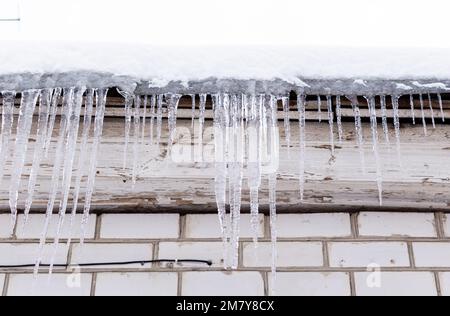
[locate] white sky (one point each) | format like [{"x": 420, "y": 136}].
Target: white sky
[{"x": 232, "y": 22}]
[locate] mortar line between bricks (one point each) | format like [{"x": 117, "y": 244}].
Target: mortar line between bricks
[
  {"x": 98, "y": 227},
  {"x": 93, "y": 283},
  {"x": 266, "y": 230},
  {"x": 351, "y": 277},
  {"x": 179, "y": 283},
  {"x": 182, "y": 227},
  {"x": 246, "y": 240},
  {"x": 354, "y": 224},
  {"x": 412, "y": 259},
  {"x": 326, "y": 255},
  {"x": 439, "y": 222},
  {"x": 155, "y": 253},
  {"x": 438, "y": 283},
  {"x": 6, "y": 285},
  {"x": 265, "y": 277}
]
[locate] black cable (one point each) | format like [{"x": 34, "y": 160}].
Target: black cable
[{"x": 96, "y": 264}]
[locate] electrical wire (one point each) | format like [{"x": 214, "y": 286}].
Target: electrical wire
[{"x": 97, "y": 264}]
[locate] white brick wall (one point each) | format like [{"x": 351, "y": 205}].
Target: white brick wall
[
  {"x": 289, "y": 254},
  {"x": 60, "y": 285},
  {"x": 140, "y": 226},
  {"x": 136, "y": 284},
  {"x": 397, "y": 224},
  {"x": 396, "y": 284},
  {"x": 314, "y": 225},
  {"x": 223, "y": 284},
  {"x": 311, "y": 284},
  {"x": 318, "y": 254},
  {"x": 363, "y": 254}
]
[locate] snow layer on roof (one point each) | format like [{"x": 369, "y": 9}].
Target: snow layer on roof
[{"x": 160, "y": 65}]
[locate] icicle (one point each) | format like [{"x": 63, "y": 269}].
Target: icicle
[
  {"x": 339, "y": 118},
  {"x": 384, "y": 118},
  {"x": 137, "y": 127},
  {"x": 153, "y": 114},
  {"x": 44, "y": 104},
  {"x": 69, "y": 157},
  {"x": 287, "y": 125},
  {"x": 201, "y": 120},
  {"x": 172, "y": 105},
  {"x": 413, "y": 114},
  {"x": 302, "y": 124},
  {"x": 59, "y": 155},
  {"x": 331, "y": 123},
  {"x": 98, "y": 129},
  {"x": 273, "y": 229},
  {"x": 9, "y": 98},
  {"x": 235, "y": 176},
  {"x": 374, "y": 127},
  {"x": 319, "y": 107},
  {"x": 422, "y": 110},
  {"x": 144, "y": 120},
  {"x": 254, "y": 165},
  {"x": 87, "y": 121},
  {"x": 441, "y": 107},
  {"x": 395, "y": 106},
  {"x": 193, "y": 111},
  {"x": 51, "y": 121},
  {"x": 221, "y": 121},
  {"x": 28, "y": 104},
  {"x": 128, "y": 115},
  {"x": 430, "y": 103},
  {"x": 159, "y": 116},
  {"x": 359, "y": 131}
]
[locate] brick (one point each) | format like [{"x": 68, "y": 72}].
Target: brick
[
  {"x": 222, "y": 284},
  {"x": 432, "y": 254},
  {"x": 136, "y": 284},
  {"x": 18, "y": 254},
  {"x": 139, "y": 226},
  {"x": 192, "y": 250},
  {"x": 360, "y": 254},
  {"x": 207, "y": 226},
  {"x": 5, "y": 226},
  {"x": 314, "y": 225},
  {"x": 395, "y": 284},
  {"x": 444, "y": 278},
  {"x": 33, "y": 229},
  {"x": 289, "y": 254},
  {"x": 110, "y": 252},
  {"x": 397, "y": 224},
  {"x": 311, "y": 284},
  {"x": 60, "y": 285}
]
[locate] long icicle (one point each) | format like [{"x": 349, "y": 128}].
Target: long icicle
[
  {"x": 413, "y": 112},
  {"x": 319, "y": 108},
  {"x": 430, "y": 104},
  {"x": 220, "y": 181},
  {"x": 28, "y": 104},
  {"x": 152, "y": 118},
  {"x": 87, "y": 122},
  {"x": 359, "y": 131},
  {"x": 374, "y": 126},
  {"x": 144, "y": 120},
  {"x": 44, "y": 105},
  {"x": 395, "y": 107},
  {"x": 98, "y": 130},
  {"x": 172, "y": 109},
  {"x": 137, "y": 127},
  {"x": 159, "y": 117},
  {"x": 331, "y": 122},
  {"x": 287, "y": 125},
  {"x": 339, "y": 118},
  {"x": 193, "y": 111},
  {"x": 201, "y": 121},
  {"x": 71, "y": 146},
  {"x": 128, "y": 115},
  {"x": 422, "y": 110},
  {"x": 384, "y": 118},
  {"x": 67, "y": 108},
  {"x": 441, "y": 107},
  {"x": 51, "y": 123},
  {"x": 302, "y": 125},
  {"x": 9, "y": 97}
]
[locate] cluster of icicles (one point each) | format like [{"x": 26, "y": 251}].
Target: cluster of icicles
[{"x": 241, "y": 123}]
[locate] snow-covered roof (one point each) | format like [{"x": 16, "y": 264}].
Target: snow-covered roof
[{"x": 157, "y": 67}]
